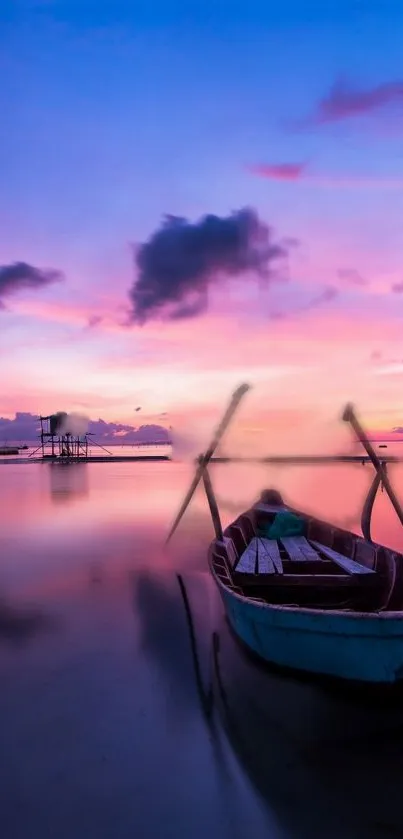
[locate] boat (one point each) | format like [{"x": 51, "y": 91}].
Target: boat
[
  {"x": 329, "y": 602},
  {"x": 296, "y": 741},
  {"x": 303, "y": 594}
]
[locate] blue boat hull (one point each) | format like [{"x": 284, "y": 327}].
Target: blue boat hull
[{"x": 358, "y": 647}]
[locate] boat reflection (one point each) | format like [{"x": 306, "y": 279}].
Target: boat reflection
[
  {"x": 326, "y": 764},
  {"x": 163, "y": 634}
]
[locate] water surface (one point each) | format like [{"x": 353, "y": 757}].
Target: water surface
[{"x": 104, "y": 729}]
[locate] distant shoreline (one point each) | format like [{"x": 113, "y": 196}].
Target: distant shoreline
[{"x": 61, "y": 461}]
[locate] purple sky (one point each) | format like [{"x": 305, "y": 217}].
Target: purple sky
[{"x": 116, "y": 113}]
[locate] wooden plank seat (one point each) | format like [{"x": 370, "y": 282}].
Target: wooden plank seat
[
  {"x": 349, "y": 565},
  {"x": 295, "y": 562},
  {"x": 261, "y": 557},
  {"x": 271, "y": 549},
  {"x": 247, "y": 562},
  {"x": 299, "y": 549}
]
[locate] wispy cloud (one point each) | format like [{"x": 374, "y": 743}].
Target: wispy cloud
[
  {"x": 94, "y": 320},
  {"x": 279, "y": 171},
  {"x": 299, "y": 173},
  {"x": 352, "y": 277},
  {"x": 397, "y": 288},
  {"x": 345, "y": 101},
  {"x": 327, "y": 295}
]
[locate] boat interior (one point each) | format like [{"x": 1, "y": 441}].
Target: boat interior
[{"x": 326, "y": 568}]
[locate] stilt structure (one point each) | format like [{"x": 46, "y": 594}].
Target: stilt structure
[{"x": 57, "y": 442}]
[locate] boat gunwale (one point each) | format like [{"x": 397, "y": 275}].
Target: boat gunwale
[{"x": 278, "y": 607}]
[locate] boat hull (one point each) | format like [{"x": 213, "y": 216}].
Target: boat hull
[{"x": 366, "y": 648}]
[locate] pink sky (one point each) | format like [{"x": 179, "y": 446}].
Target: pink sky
[{"x": 303, "y": 367}]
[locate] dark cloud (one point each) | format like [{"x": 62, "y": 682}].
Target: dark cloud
[
  {"x": 192, "y": 308},
  {"x": 20, "y": 275},
  {"x": 352, "y": 277},
  {"x": 397, "y": 288},
  {"x": 344, "y": 101},
  {"x": 26, "y": 426},
  {"x": 111, "y": 432},
  {"x": 180, "y": 262},
  {"x": 138, "y": 409}
]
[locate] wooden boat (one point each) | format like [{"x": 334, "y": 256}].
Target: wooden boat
[
  {"x": 328, "y": 603},
  {"x": 324, "y": 601},
  {"x": 296, "y": 741}
]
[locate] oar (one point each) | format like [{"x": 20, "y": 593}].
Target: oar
[
  {"x": 205, "y": 458},
  {"x": 349, "y": 416}
]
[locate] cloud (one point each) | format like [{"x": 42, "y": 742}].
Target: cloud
[
  {"x": 352, "y": 277},
  {"x": 20, "y": 275},
  {"x": 181, "y": 260},
  {"x": 344, "y": 101},
  {"x": 26, "y": 427},
  {"x": 94, "y": 320},
  {"x": 110, "y": 432},
  {"x": 328, "y": 294},
  {"x": 279, "y": 171},
  {"x": 397, "y": 288},
  {"x": 299, "y": 173}
]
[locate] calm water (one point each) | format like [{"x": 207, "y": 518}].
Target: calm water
[{"x": 105, "y": 730}]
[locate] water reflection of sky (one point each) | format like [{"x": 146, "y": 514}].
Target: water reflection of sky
[{"x": 102, "y": 727}]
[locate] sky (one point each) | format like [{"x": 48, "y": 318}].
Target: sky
[{"x": 195, "y": 195}]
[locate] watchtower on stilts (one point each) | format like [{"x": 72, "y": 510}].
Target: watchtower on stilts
[{"x": 58, "y": 442}]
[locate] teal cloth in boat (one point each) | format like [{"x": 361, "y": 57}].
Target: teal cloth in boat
[{"x": 284, "y": 524}]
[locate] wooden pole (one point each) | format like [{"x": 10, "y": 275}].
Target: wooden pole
[
  {"x": 212, "y": 502},
  {"x": 206, "y": 457},
  {"x": 349, "y": 416},
  {"x": 368, "y": 506}
]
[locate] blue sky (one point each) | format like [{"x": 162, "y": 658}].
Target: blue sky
[{"x": 114, "y": 113}]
